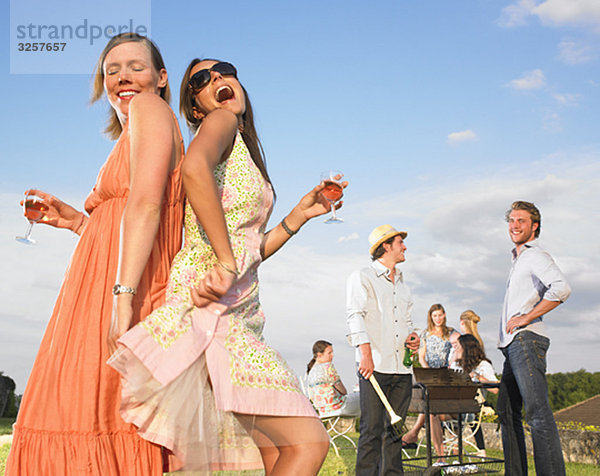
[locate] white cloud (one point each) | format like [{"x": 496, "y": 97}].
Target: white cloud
[
  {"x": 576, "y": 52},
  {"x": 531, "y": 80},
  {"x": 567, "y": 99},
  {"x": 552, "y": 12},
  {"x": 458, "y": 254},
  {"x": 569, "y": 12},
  {"x": 350, "y": 237},
  {"x": 516, "y": 14},
  {"x": 462, "y": 136}
]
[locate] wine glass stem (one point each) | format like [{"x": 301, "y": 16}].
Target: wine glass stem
[
  {"x": 332, "y": 210},
  {"x": 28, "y": 232}
]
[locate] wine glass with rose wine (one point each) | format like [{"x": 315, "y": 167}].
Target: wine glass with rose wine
[
  {"x": 34, "y": 209},
  {"x": 332, "y": 191}
]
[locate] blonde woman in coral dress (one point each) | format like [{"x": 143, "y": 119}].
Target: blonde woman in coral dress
[
  {"x": 69, "y": 421},
  {"x": 198, "y": 376}
]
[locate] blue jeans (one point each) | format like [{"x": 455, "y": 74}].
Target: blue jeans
[
  {"x": 524, "y": 383},
  {"x": 379, "y": 450}
]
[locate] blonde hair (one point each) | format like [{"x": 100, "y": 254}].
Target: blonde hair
[
  {"x": 114, "y": 128},
  {"x": 470, "y": 320},
  {"x": 431, "y": 325}
]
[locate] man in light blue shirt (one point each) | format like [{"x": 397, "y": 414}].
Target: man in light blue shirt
[
  {"x": 378, "y": 309},
  {"x": 535, "y": 286}
]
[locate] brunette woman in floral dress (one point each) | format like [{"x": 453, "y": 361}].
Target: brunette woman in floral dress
[{"x": 198, "y": 377}]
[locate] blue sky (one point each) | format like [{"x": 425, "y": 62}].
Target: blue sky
[{"x": 440, "y": 114}]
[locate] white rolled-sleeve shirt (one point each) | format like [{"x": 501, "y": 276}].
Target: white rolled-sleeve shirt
[
  {"x": 533, "y": 276},
  {"x": 379, "y": 313}
]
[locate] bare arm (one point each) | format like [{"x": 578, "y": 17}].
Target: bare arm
[
  {"x": 366, "y": 365},
  {"x": 60, "y": 214},
  {"x": 212, "y": 144},
  {"x": 339, "y": 386},
  {"x": 313, "y": 204},
  {"x": 152, "y": 155},
  {"x": 520, "y": 320},
  {"x": 422, "y": 352},
  {"x": 484, "y": 380}
]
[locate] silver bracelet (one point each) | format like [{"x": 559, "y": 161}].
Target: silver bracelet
[
  {"x": 228, "y": 269},
  {"x": 120, "y": 289}
]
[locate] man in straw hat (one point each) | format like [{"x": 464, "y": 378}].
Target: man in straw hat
[{"x": 378, "y": 308}]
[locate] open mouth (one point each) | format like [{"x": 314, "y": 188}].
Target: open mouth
[
  {"x": 126, "y": 94},
  {"x": 224, "y": 93}
]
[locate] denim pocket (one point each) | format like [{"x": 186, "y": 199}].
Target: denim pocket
[{"x": 538, "y": 345}]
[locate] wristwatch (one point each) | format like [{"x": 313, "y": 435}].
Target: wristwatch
[{"x": 120, "y": 289}]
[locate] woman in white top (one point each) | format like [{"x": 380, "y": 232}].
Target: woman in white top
[{"x": 470, "y": 358}]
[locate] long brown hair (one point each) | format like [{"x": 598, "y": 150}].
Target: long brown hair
[
  {"x": 317, "y": 348},
  {"x": 431, "y": 325},
  {"x": 247, "y": 129},
  {"x": 470, "y": 320},
  {"x": 113, "y": 127},
  {"x": 472, "y": 353}
]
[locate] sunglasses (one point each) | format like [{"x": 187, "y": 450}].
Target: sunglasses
[{"x": 201, "y": 78}]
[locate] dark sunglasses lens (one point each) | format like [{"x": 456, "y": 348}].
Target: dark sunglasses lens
[
  {"x": 226, "y": 69},
  {"x": 200, "y": 79}
]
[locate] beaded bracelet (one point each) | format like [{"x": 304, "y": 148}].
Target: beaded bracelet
[{"x": 287, "y": 228}]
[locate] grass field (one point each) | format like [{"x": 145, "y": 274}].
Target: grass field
[{"x": 344, "y": 464}]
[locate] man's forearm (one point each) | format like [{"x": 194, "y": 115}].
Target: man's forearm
[{"x": 543, "y": 307}]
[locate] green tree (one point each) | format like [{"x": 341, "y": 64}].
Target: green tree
[{"x": 8, "y": 406}]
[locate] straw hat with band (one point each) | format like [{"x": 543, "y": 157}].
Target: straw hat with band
[{"x": 381, "y": 234}]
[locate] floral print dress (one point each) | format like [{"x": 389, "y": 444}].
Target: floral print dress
[
  {"x": 320, "y": 381},
  {"x": 186, "y": 370},
  {"x": 437, "y": 349}
]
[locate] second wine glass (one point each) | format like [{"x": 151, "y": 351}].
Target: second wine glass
[
  {"x": 333, "y": 191},
  {"x": 34, "y": 210}
]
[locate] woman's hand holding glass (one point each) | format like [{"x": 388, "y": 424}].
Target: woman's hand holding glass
[
  {"x": 332, "y": 190},
  {"x": 34, "y": 210},
  {"x": 58, "y": 213},
  {"x": 315, "y": 204}
]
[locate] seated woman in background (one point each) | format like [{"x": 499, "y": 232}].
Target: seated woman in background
[
  {"x": 471, "y": 359},
  {"x": 435, "y": 349},
  {"x": 324, "y": 386}
]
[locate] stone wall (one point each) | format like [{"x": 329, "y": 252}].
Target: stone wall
[{"x": 578, "y": 446}]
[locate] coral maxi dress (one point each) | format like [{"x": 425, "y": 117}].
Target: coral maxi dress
[
  {"x": 186, "y": 370},
  {"x": 69, "y": 422}
]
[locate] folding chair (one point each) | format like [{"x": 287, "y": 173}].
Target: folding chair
[
  {"x": 338, "y": 424},
  {"x": 471, "y": 422}
]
